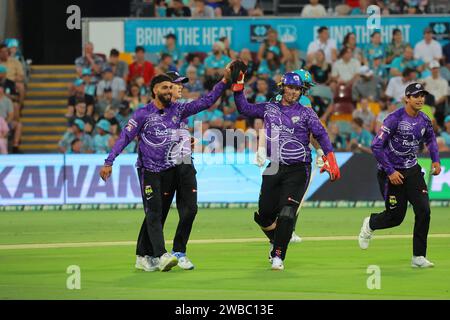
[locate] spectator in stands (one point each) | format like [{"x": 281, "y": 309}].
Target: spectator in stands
[
  {"x": 110, "y": 116},
  {"x": 320, "y": 69},
  {"x": 397, "y": 6},
  {"x": 446, "y": 133},
  {"x": 428, "y": 49},
  {"x": 75, "y": 147},
  {"x": 194, "y": 86},
  {"x": 350, "y": 42},
  {"x": 228, "y": 51},
  {"x": 363, "y": 112},
  {"x": 271, "y": 66},
  {"x": 13, "y": 48},
  {"x": 345, "y": 70},
  {"x": 234, "y": 9},
  {"x": 76, "y": 131},
  {"x": 90, "y": 88},
  {"x": 367, "y": 86},
  {"x": 104, "y": 101},
  {"x": 246, "y": 56},
  {"x": 102, "y": 141},
  {"x": 397, "y": 47},
  {"x": 324, "y": 43},
  {"x": 116, "y": 84},
  {"x": 383, "y": 7},
  {"x": 360, "y": 138},
  {"x": 215, "y": 64},
  {"x": 442, "y": 146},
  {"x": 380, "y": 69},
  {"x": 171, "y": 49},
  {"x": 134, "y": 97},
  {"x": 446, "y": 53},
  {"x": 89, "y": 60},
  {"x": 337, "y": 141},
  {"x": 4, "y": 131},
  {"x": 216, "y": 5},
  {"x": 160, "y": 8},
  {"x": 193, "y": 60},
  {"x": 294, "y": 62},
  {"x": 14, "y": 71},
  {"x": 79, "y": 94},
  {"x": 9, "y": 88},
  {"x": 124, "y": 114},
  {"x": 406, "y": 61},
  {"x": 120, "y": 68},
  {"x": 7, "y": 113},
  {"x": 200, "y": 10},
  {"x": 361, "y": 9},
  {"x": 269, "y": 44},
  {"x": 141, "y": 67},
  {"x": 178, "y": 9},
  {"x": 81, "y": 114},
  {"x": 386, "y": 107},
  {"x": 374, "y": 48},
  {"x": 165, "y": 64},
  {"x": 439, "y": 88},
  {"x": 253, "y": 8},
  {"x": 397, "y": 85},
  {"x": 262, "y": 92},
  {"x": 313, "y": 10}
]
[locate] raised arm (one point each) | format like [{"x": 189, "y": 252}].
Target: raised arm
[{"x": 248, "y": 109}]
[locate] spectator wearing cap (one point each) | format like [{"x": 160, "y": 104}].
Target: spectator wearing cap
[
  {"x": 363, "y": 112},
  {"x": 141, "y": 67},
  {"x": 116, "y": 84},
  {"x": 271, "y": 42},
  {"x": 14, "y": 71},
  {"x": 201, "y": 10},
  {"x": 439, "y": 88},
  {"x": 397, "y": 85},
  {"x": 102, "y": 141},
  {"x": 178, "y": 9},
  {"x": 13, "y": 48},
  {"x": 324, "y": 43},
  {"x": 345, "y": 70},
  {"x": 120, "y": 68},
  {"x": 360, "y": 138},
  {"x": 446, "y": 132},
  {"x": 396, "y": 47},
  {"x": 406, "y": 61},
  {"x": 90, "y": 87},
  {"x": 79, "y": 94},
  {"x": 216, "y": 62},
  {"x": 89, "y": 60},
  {"x": 367, "y": 86},
  {"x": 171, "y": 49},
  {"x": 124, "y": 114},
  {"x": 314, "y": 10},
  {"x": 76, "y": 131},
  {"x": 428, "y": 49},
  {"x": 374, "y": 48},
  {"x": 81, "y": 114},
  {"x": 165, "y": 64},
  {"x": 234, "y": 8}
]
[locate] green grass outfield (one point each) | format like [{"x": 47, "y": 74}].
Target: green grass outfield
[{"x": 325, "y": 265}]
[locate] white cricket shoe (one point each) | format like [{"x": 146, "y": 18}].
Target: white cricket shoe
[
  {"x": 146, "y": 263},
  {"x": 421, "y": 262},
  {"x": 365, "y": 235},
  {"x": 277, "y": 263},
  {"x": 295, "y": 238},
  {"x": 167, "y": 262},
  {"x": 185, "y": 263}
]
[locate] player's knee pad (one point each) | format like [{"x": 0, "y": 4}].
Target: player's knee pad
[
  {"x": 287, "y": 213},
  {"x": 261, "y": 221}
]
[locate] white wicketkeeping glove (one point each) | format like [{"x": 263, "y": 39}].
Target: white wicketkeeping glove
[
  {"x": 261, "y": 156},
  {"x": 319, "y": 161}
]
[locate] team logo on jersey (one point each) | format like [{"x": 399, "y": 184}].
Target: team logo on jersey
[{"x": 295, "y": 119}]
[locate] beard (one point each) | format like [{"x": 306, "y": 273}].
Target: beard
[{"x": 165, "y": 98}]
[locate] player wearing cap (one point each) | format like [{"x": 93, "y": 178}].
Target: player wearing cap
[
  {"x": 156, "y": 126},
  {"x": 400, "y": 176},
  {"x": 288, "y": 127}
]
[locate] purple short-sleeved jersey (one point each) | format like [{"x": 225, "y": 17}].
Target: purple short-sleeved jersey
[
  {"x": 397, "y": 143},
  {"x": 162, "y": 144},
  {"x": 288, "y": 129}
]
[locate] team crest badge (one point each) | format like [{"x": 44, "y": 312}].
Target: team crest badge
[
  {"x": 295, "y": 119},
  {"x": 174, "y": 119},
  {"x": 148, "y": 191},
  {"x": 392, "y": 200}
]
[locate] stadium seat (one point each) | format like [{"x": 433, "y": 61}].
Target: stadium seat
[
  {"x": 373, "y": 106},
  {"x": 343, "y": 107}
]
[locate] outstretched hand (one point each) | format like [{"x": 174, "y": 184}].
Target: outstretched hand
[{"x": 105, "y": 172}]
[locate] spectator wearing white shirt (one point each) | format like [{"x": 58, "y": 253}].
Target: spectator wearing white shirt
[
  {"x": 438, "y": 87},
  {"x": 397, "y": 85},
  {"x": 200, "y": 9},
  {"x": 323, "y": 42},
  {"x": 314, "y": 10},
  {"x": 428, "y": 49},
  {"x": 346, "y": 69}
]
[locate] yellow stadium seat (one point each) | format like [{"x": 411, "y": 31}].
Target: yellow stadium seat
[
  {"x": 127, "y": 57},
  {"x": 373, "y": 106},
  {"x": 241, "y": 124}
]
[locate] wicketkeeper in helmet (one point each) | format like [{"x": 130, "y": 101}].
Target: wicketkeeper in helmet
[{"x": 288, "y": 126}]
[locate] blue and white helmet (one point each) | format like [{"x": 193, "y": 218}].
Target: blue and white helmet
[{"x": 291, "y": 79}]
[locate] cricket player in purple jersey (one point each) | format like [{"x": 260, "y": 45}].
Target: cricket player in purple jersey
[
  {"x": 288, "y": 127},
  {"x": 400, "y": 176},
  {"x": 157, "y": 128}
]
